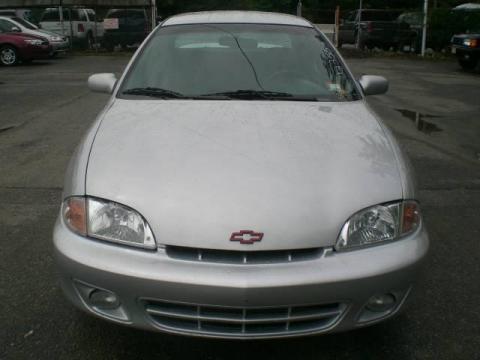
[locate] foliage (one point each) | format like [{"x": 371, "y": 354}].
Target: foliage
[{"x": 169, "y": 7}]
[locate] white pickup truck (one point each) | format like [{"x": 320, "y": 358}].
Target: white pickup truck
[{"x": 79, "y": 24}]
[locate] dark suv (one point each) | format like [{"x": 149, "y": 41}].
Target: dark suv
[
  {"x": 129, "y": 27},
  {"x": 467, "y": 49}
]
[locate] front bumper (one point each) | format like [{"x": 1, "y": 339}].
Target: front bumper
[
  {"x": 60, "y": 46},
  {"x": 33, "y": 52},
  {"x": 460, "y": 49},
  {"x": 157, "y": 292}
]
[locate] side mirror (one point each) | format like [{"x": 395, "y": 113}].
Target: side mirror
[
  {"x": 15, "y": 29},
  {"x": 158, "y": 20},
  {"x": 373, "y": 84},
  {"x": 102, "y": 83}
]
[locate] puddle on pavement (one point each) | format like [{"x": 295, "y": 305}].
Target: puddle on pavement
[
  {"x": 419, "y": 120},
  {"x": 8, "y": 127}
]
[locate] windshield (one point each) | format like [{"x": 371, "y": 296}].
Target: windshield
[
  {"x": 25, "y": 23},
  {"x": 54, "y": 15},
  {"x": 212, "y": 59},
  {"x": 379, "y": 15},
  {"x": 118, "y": 14}
]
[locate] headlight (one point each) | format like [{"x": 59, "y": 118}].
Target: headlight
[
  {"x": 470, "y": 42},
  {"x": 33, "y": 41},
  {"x": 56, "y": 38},
  {"x": 379, "y": 224},
  {"x": 106, "y": 220}
]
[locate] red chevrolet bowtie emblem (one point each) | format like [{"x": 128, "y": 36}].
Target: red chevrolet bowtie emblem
[{"x": 246, "y": 237}]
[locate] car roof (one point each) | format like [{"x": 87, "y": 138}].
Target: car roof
[{"x": 237, "y": 17}]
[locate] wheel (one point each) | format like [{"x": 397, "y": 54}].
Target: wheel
[
  {"x": 408, "y": 44},
  {"x": 8, "y": 55},
  {"x": 89, "y": 41},
  {"x": 109, "y": 46},
  {"x": 369, "y": 45},
  {"x": 359, "y": 44},
  {"x": 468, "y": 64}
]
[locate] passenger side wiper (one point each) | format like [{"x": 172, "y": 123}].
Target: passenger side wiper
[
  {"x": 261, "y": 95},
  {"x": 154, "y": 92}
]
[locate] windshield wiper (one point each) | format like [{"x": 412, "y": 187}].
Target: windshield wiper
[
  {"x": 154, "y": 92},
  {"x": 251, "y": 94},
  {"x": 261, "y": 95}
]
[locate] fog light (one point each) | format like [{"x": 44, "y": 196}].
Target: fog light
[
  {"x": 103, "y": 299},
  {"x": 381, "y": 303}
]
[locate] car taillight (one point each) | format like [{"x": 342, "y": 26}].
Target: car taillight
[{"x": 81, "y": 28}]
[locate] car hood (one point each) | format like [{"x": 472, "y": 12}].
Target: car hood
[
  {"x": 48, "y": 34},
  {"x": 473, "y": 35},
  {"x": 24, "y": 35},
  {"x": 200, "y": 170}
]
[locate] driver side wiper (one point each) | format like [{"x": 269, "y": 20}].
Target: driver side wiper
[
  {"x": 251, "y": 94},
  {"x": 261, "y": 95},
  {"x": 154, "y": 92}
]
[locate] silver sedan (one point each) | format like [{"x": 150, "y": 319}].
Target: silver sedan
[{"x": 237, "y": 185}]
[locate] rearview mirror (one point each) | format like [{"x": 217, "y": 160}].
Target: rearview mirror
[
  {"x": 373, "y": 84},
  {"x": 102, "y": 83},
  {"x": 15, "y": 29}
]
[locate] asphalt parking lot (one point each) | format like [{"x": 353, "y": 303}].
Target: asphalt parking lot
[{"x": 433, "y": 109}]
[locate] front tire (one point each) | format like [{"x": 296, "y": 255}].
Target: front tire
[
  {"x": 8, "y": 55},
  {"x": 89, "y": 41},
  {"x": 468, "y": 64},
  {"x": 359, "y": 44}
]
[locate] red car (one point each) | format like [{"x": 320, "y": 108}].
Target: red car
[{"x": 19, "y": 47}]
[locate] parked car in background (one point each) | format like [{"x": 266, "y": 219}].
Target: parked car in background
[
  {"x": 415, "y": 21},
  {"x": 79, "y": 25},
  {"x": 125, "y": 27},
  {"x": 370, "y": 28},
  {"x": 467, "y": 49},
  {"x": 18, "y": 47},
  {"x": 239, "y": 186},
  {"x": 25, "y": 14},
  {"x": 14, "y": 24}
]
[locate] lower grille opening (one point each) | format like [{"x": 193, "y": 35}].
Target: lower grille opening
[
  {"x": 242, "y": 322},
  {"x": 308, "y": 324},
  {"x": 177, "y": 323},
  {"x": 266, "y": 328},
  {"x": 217, "y": 327}
]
